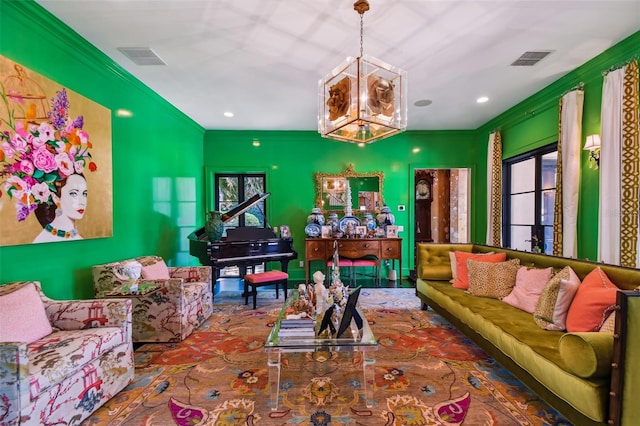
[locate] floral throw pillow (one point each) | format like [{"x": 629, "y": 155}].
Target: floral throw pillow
[{"x": 495, "y": 280}]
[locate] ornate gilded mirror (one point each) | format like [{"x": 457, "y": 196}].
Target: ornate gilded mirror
[{"x": 365, "y": 189}]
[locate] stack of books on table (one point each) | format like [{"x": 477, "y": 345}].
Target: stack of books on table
[{"x": 296, "y": 329}]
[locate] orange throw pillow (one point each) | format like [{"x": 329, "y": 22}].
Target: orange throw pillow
[
  {"x": 594, "y": 301},
  {"x": 462, "y": 271}
]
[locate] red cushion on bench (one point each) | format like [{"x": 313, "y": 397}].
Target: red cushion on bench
[
  {"x": 268, "y": 276},
  {"x": 365, "y": 262}
]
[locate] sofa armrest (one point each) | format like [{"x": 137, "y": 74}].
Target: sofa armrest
[
  {"x": 14, "y": 380},
  {"x": 587, "y": 354},
  {"x": 191, "y": 274},
  {"x": 80, "y": 314}
]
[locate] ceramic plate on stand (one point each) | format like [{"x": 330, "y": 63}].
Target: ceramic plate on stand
[
  {"x": 313, "y": 230},
  {"x": 347, "y": 220}
]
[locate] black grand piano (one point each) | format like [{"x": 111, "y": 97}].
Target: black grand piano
[{"x": 243, "y": 246}]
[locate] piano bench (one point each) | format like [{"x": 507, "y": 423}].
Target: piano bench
[{"x": 264, "y": 278}]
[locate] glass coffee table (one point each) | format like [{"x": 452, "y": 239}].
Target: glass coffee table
[{"x": 352, "y": 339}]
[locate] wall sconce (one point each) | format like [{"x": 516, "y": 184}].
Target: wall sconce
[{"x": 593, "y": 146}]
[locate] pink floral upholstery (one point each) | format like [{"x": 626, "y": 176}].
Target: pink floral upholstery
[
  {"x": 170, "y": 314},
  {"x": 65, "y": 376}
]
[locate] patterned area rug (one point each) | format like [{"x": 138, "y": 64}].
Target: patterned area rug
[{"x": 427, "y": 373}]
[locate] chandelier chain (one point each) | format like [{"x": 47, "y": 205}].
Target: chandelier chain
[{"x": 361, "y": 34}]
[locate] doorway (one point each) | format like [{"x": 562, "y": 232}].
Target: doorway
[{"x": 441, "y": 207}]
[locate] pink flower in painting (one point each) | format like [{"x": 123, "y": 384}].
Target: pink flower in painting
[
  {"x": 44, "y": 160},
  {"x": 26, "y": 167},
  {"x": 41, "y": 192},
  {"x": 46, "y": 132},
  {"x": 65, "y": 164},
  {"x": 22, "y": 131},
  {"x": 19, "y": 143},
  {"x": 16, "y": 187},
  {"x": 79, "y": 166},
  {"x": 36, "y": 142},
  {"x": 84, "y": 136},
  {"x": 8, "y": 150}
]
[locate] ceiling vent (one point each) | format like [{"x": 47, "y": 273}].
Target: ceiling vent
[
  {"x": 529, "y": 59},
  {"x": 141, "y": 55}
]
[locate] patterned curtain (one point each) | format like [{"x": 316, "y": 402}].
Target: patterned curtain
[
  {"x": 565, "y": 216},
  {"x": 494, "y": 190},
  {"x": 619, "y": 168}
]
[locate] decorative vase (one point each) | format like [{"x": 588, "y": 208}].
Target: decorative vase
[
  {"x": 370, "y": 222},
  {"x": 385, "y": 217},
  {"x": 316, "y": 217},
  {"x": 214, "y": 227},
  {"x": 334, "y": 222}
]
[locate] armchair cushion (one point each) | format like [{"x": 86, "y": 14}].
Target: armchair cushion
[
  {"x": 157, "y": 270},
  {"x": 15, "y": 307}
]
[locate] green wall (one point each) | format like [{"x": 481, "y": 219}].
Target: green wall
[
  {"x": 157, "y": 159},
  {"x": 161, "y": 166},
  {"x": 291, "y": 158},
  {"x": 534, "y": 123}
]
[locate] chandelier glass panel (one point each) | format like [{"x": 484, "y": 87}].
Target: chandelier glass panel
[{"x": 363, "y": 99}]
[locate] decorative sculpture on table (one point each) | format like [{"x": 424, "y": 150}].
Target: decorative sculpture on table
[{"x": 336, "y": 300}]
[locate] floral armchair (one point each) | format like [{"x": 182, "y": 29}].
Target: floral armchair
[
  {"x": 182, "y": 303},
  {"x": 60, "y": 360}
]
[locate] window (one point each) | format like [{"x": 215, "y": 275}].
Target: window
[
  {"x": 233, "y": 189},
  {"x": 529, "y": 193}
]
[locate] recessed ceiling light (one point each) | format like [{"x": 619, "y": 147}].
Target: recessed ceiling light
[
  {"x": 423, "y": 102},
  {"x": 482, "y": 99},
  {"x": 123, "y": 113},
  {"x": 415, "y": 150},
  {"x": 228, "y": 114}
]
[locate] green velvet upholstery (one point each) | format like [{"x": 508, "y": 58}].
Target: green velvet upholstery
[
  {"x": 575, "y": 380},
  {"x": 435, "y": 263},
  {"x": 587, "y": 354}
]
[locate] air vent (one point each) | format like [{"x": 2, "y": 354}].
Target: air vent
[
  {"x": 141, "y": 55},
  {"x": 529, "y": 59}
]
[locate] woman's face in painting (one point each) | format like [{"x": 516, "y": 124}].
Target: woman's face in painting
[{"x": 73, "y": 197}]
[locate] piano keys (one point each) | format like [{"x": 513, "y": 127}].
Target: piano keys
[{"x": 244, "y": 247}]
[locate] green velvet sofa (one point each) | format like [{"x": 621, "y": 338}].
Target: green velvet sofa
[{"x": 579, "y": 380}]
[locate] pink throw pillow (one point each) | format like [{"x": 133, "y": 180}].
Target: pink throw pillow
[
  {"x": 22, "y": 316},
  {"x": 156, "y": 271},
  {"x": 529, "y": 285},
  {"x": 462, "y": 270},
  {"x": 594, "y": 301}
]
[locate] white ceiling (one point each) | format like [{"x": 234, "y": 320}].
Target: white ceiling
[{"x": 262, "y": 59}]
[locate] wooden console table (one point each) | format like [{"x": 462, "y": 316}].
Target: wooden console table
[{"x": 353, "y": 248}]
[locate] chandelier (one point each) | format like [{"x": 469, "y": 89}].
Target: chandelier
[{"x": 363, "y": 99}]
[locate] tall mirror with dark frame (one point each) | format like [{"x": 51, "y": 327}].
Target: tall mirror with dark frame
[{"x": 333, "y": 189}]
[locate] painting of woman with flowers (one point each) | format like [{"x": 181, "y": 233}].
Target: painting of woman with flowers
[{"x": 48, "y": 167}]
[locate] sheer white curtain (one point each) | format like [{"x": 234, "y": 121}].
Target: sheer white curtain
[
  {"x": 494, "y": 189},
  {"x": 570, "y": 147},
  {"x": 619, "y": 163}
]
